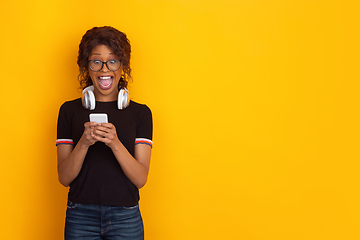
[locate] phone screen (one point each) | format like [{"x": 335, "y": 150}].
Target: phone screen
[{"x": 98, "y": 117}]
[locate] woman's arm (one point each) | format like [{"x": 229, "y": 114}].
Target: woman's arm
[
  {"x": 135, "y": 168},
  {"x": 70, "y": 160}
]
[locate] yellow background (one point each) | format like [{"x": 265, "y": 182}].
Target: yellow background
[{"x": 255, "y": 106}]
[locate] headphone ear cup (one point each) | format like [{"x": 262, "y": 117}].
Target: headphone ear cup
[
  {"x": 91, "y": 100},
  {"x": 123, "y": 99},
  {"x": 88, "y": 98}
]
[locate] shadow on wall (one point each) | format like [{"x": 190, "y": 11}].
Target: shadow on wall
[{"x": 53, "y": 194}]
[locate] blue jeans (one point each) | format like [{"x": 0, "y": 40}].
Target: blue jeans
[{"x": 95, "y": 222}]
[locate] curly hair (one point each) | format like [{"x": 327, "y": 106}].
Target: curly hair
[{"x": 115, "y": 40}]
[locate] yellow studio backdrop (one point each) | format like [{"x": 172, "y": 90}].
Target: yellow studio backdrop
[{"x": 255, "y": 106}]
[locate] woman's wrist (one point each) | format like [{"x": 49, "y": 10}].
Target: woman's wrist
[
  {"x": 116, "y": 146},
  {"x": 84, "y": 143}
]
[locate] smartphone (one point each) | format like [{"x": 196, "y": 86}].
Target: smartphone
[{"x": 99, "y": 117}]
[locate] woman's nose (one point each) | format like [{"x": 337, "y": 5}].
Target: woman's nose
[{"x": 105, "y": 68}]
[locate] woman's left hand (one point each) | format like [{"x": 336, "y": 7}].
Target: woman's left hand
[{"x": 106, "y": 133}]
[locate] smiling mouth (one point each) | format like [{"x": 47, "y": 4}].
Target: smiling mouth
[{"x": 105, "y": 82}]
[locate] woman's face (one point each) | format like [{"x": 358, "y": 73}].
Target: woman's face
[{"x": 105, "y": 81}]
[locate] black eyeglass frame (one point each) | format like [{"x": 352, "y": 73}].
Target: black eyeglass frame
[{"x": 102, "y": 65}]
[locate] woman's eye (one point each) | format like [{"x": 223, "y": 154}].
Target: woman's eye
[
  {"x": 96, "y": 61},
  {"x": 112, "y": 61}
]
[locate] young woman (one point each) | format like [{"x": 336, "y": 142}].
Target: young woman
[{"x": 104, "y": 163}]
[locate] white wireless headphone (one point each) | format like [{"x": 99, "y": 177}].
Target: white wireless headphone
[{"x": 88, "y": 98}]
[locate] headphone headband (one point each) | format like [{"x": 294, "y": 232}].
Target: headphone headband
[{"x": 89, "y": 88}]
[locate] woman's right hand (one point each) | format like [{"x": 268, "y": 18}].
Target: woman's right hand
[{"x": 87, "y": 137}]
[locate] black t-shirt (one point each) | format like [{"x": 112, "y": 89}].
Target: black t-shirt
[{"x": 101, "y": 180}]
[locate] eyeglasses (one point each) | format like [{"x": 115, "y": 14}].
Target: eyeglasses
[{"x": 97, "y": 65}]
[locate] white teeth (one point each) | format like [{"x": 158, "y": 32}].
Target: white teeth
[{"x": 106, "y": 77}]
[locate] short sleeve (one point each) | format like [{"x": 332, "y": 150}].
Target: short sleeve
[
  {"x": 64, "y": 127},
  {"x": 144, "y": 131}
]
